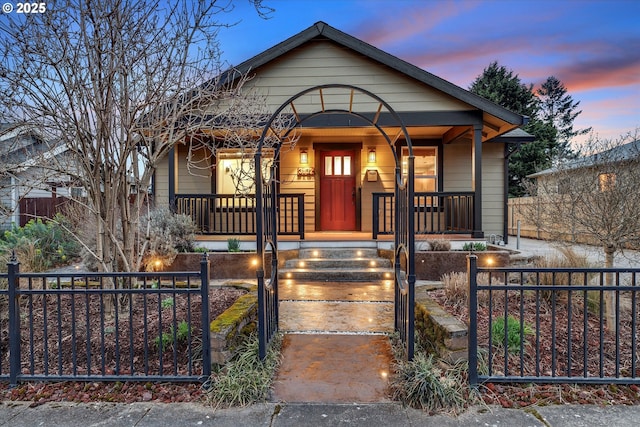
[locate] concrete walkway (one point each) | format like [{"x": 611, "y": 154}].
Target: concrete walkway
[
  {"x": 19, "y": 414},
  {"x": 335, "y": 348}
]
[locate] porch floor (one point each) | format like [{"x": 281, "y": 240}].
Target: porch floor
[
  {"x": 323, "y": 239},
  {"x": 320, "y": 236}
]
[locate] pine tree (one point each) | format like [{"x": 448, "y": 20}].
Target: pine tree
[
  {"x": 502, "y": 86},
  {"x": 558, "y": 109}
]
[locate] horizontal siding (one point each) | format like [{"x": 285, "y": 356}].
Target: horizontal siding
[
  {"x": 457, "y": 167},
  {"x": 161, "y": 183},
  {"x": 325, "y": 63},
  {"x": 290, "y": 182},
  {"x": 194, "y": 181},
  {"x": 493, "y": 203},
  {"x": 458, "y": 177}
]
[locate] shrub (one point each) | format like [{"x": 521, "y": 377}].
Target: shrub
[
  {"x": 439, "y": 245},
  {"x": 245, "y": 379},
  {"x": 166, "y": 339},
  {"x": 516, "y": 333},
  {"x": 567, "y": 258},
  {"x": 169, "y": 234},
  {"x": 422, "y": 384},
  {"x": 233, "y": 245},
  {"x": 474, "y": 246},
  {"x": 456, "y": 288},
  {"x": 40, "y": 245}
]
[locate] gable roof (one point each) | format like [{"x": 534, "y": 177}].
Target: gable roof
[
  {"x": 323, "y": 30},
  {"x": 22, "y": 146},
  {"x": 621, "y": 153}
]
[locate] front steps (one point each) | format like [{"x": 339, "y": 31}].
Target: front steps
[
  {"x": 336, "y": 291},
  {"x": 338, "y": 265}
]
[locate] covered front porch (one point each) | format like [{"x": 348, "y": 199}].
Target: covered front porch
[{"x": 226, "y": 215}]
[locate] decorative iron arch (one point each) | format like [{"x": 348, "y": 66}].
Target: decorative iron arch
[{"x": 267, "y": 221}]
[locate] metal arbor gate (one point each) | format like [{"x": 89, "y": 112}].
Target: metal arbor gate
[{"x": 267, "y": 205}]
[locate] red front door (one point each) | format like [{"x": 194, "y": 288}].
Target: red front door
[{"x": 337, "y": 191}]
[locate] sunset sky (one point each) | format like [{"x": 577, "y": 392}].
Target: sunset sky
[{"x": 593, "y": 47}]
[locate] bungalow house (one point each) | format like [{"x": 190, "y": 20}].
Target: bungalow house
[
  {"x": 355, "y": 108},
  {"x": 30, "y": 186},
  {"x": 602, "y": 180}
]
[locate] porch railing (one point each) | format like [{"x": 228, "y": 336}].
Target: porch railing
[
  {"x": 228, "y": 214},
  {"x": 567, "y": 325},
  {"x": 434, "y": 213},
  {"x": 105, "y": 326}
]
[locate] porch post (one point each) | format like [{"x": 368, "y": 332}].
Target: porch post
[
  {"x": 476, "y": 165},
  {"x": 172, "y": 179}
]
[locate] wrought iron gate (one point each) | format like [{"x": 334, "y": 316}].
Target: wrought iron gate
[
  {"x": 266, "y": 207},
  {"x": 267, "y": 237}
]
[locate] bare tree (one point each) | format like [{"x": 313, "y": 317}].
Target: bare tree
[
  {"x": 597, "y": 197},
  {"x": 120, "y": 82}
]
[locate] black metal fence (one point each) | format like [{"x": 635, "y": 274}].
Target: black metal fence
[
  {"x": 228, "y": 214},
  {"x": 560, "y": 325},
  {"x": 434, "y": 213},
  {"x": 105, "y": 326}
]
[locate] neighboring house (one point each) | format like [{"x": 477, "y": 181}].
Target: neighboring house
[
  {"x": 597, "y": 172},
  {"x": 339, "y": 177},
  {"x": 29, "y": 185}
]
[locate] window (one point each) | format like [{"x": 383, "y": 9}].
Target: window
[
  {"x": 337, "y": 165},
  {"x": 606, "y": 181},
  {"x": 425, "y": 168},
  {"x": 235, "y": 171},
  {"x": 564, "y": 185}
]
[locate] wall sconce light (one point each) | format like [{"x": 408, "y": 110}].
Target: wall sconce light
[
  {"x": 304, "y": 157},
  {"x": 372, "y": 155}
]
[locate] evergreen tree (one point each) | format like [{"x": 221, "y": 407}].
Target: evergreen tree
[
  {"x": 558, "y": 109},
  {"x": 502, "y": 86}
]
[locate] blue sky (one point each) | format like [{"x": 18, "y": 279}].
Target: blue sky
[{"x": 593, "y": 47}]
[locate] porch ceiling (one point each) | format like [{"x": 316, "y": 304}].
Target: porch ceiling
[{"x": 358, "y": 132}]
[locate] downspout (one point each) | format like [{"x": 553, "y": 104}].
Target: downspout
[{"x": 507, "y": 155}]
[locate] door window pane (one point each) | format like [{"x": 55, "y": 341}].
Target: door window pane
[
  {"x": 347, "y": 165},
  {"x": 337, "y": 165},
  {"x": 328, "y": 166}
]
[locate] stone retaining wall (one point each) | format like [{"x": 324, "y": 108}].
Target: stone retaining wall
[
  {"x": 229, "y": 329},
  {"x": 448, "y": 335}
]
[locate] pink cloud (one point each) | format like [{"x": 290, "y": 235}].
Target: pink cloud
[{"x": 408, "y": 22}]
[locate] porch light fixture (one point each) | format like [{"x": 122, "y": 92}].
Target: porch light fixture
[
  {"x": 304, "y": 157},
  {"x": 372, "y": 155}
]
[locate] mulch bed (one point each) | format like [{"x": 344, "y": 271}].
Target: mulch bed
[
  {"x": 548, "y": 363},
  {"x": 506, "y": 395},
  {"x": 150, "y": 317}
]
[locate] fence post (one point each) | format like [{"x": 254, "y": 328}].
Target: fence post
[
  {"x": 13, "y": 269},
  {"x": 472, "y": 267},
  {"x": 206, "y": 327}
]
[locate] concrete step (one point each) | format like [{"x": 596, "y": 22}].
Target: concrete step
[
  {"x": 338, "y": 253},
  {"x": 345, "y": 263},
  {"x": 337, "y": 265},
  {"x": 338, "y": 274},
  {"x": 336, "y": 317},
  {"x": 294, "y": 290}
]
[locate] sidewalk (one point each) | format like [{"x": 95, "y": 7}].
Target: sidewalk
[{"x": 285, "y": 415}]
